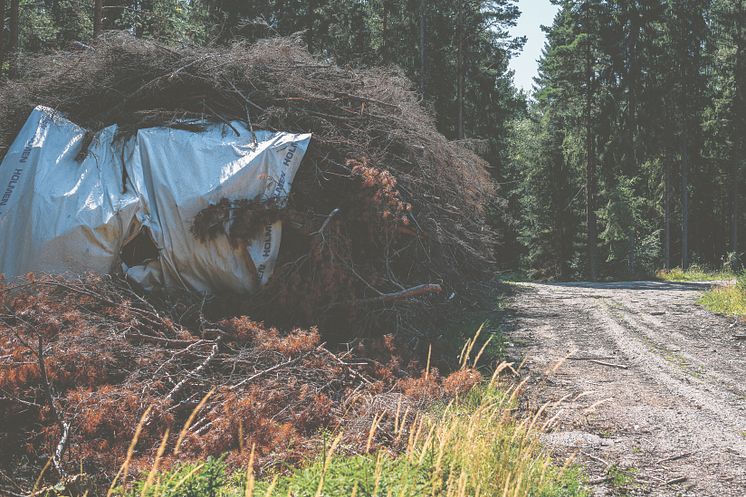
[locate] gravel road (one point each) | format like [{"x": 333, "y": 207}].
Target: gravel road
[{"x": 652, "y": 386}]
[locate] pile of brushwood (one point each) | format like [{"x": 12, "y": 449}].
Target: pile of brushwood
[
  {"x": 83, "y": 359},
  {"x": 384, "y": 233},
  {"x": 385, "y": 216}
]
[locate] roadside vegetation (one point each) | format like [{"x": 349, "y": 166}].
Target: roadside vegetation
[
  {"x": 695, "y": 273},
  {"x": 729, "y": 300},
  {"x": 472, "y": 446}
]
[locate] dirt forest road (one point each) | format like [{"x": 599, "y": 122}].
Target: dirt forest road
[{"x": 652, "y": 386}]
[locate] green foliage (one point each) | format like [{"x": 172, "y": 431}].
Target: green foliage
[
  {"x": 632, "y": 239},
  {"x": 171, "y": 21},
  {"x": 729, "y": 300},
  {"x": 545, "y": 185},
  {"x": 205, "y": 479},
  {"x": 569, "y": 482},
  {"x": 38, "y": 29},
  {"x": 389, "y": 475},
  {"x": 695, "y": 273},
  {"x": 637, "y": 102},
  {"x": 621, "y": 479}
]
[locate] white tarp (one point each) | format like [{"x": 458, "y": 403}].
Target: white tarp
[{"x": 61, "y": 215}]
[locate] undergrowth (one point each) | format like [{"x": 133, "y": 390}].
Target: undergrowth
[
  {"x": 473, "y": 446},
  {"x": 694, "y": 273},
  {"x": 729, "y": 300}
]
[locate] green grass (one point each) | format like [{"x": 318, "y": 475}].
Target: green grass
[
  {"x": 474, "y": 447},
  {"x": 621, "y": 479},
  {"x": 488, "y": 314},
  {"x": 729, "y": 300},
  {"x": 694, "y": 273}
]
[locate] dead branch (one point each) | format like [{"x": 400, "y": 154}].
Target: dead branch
[
  {"x": 348, "y": 367},
  {"x": 326, "y": 222},
  {"x": 675, "y": 458},
  {"x": 64, "y": 426},
  {"x": 602, "y": 363},
  {"x": 195, "y": 372},
  {"x": 269, "y": 370},
  {"x": 168, "y": 342},
  {"x": 409, "y": 293}
]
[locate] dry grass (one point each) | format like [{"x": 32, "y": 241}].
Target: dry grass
[{"x": 473, "y": 446}]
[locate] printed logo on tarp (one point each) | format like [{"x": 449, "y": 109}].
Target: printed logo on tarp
[
  {"x": 16, "y": 176},
  {"x": 14, "y": 179},
  {"x": 280, "y": 189},
  {"x": 266, "y": 250}
]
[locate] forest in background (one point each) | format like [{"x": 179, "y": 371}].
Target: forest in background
[{"x": 628, "y": 157}]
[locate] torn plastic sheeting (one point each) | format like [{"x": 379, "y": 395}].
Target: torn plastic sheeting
[
  {"x": 60, "y": 215},
  {"x": 57, "y": 214}
]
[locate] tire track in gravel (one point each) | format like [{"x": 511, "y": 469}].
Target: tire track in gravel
[{"x": 674, "y": 419}]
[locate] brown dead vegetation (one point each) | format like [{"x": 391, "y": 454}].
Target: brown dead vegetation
[{"x": 81, "y": 359}]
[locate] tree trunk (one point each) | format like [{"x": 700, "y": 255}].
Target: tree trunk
[
  {"x": 98, "y": 17},
  {"x": 423, "y": 48},
  {"x": 667, "y": 212},
  {"x": 736, "y": 179},
  {"x": 590, "y": 171},
  {"x": 384, "y": 31},
  {"x": 310, "y": 18},
  {"x": 460, "y": 71},
  {"x": 632, "y": 81},
  {"x": 2, "y": 36},
  {"x": 14, "y": 37},
  {"x": 734, "y": 183},
  {"x": 685, "y": 199}
]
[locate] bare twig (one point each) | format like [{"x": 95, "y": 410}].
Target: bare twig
[
  {"x": 597, "y": 459},
  {"x": 328, "y": 219},
  {"x": 195, "y": 372},
  {"x": 349, "y": 367},
  {"x": 675, "y": 458},
  {"x": 268, "y": 370},
  {"x": 168, "y": 342},
  {"x": 602, "y": 363},
  {"x": 64, "y": 426}
]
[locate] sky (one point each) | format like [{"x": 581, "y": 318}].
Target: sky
[{"x": 535, "y": 13}]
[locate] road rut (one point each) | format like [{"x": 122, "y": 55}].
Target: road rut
[{"x": 654, "y": 386}]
